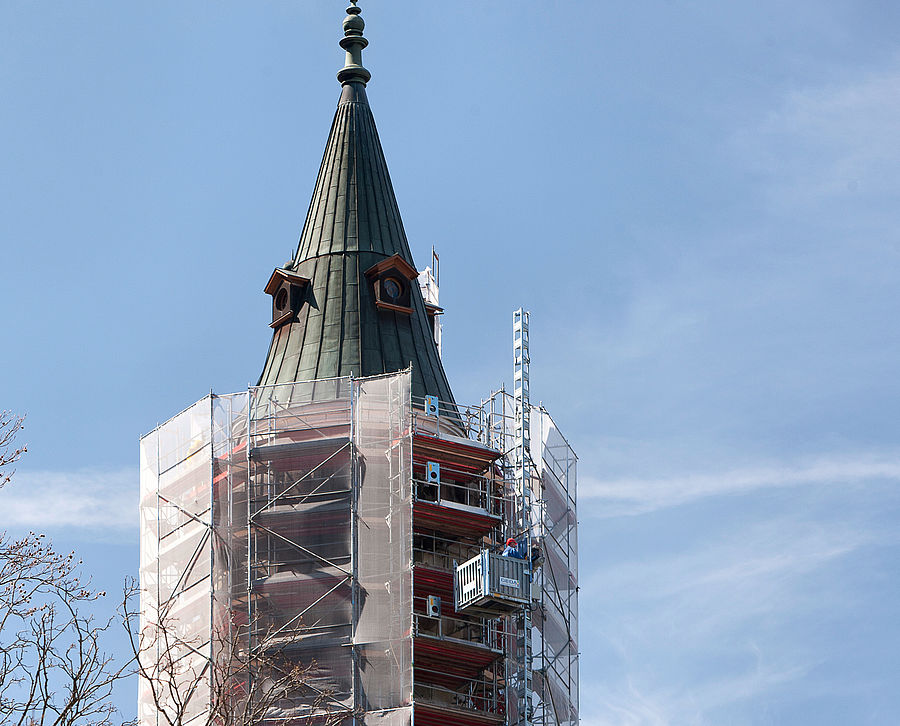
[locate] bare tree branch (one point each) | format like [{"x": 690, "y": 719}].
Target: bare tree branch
[
  {"x": 54, "y": 669},
  {"x": 10, "y": 425},
  {"x": 237, "y": 687}
]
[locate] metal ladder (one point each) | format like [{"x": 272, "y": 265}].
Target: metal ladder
[{"x": 524, "y": 474}]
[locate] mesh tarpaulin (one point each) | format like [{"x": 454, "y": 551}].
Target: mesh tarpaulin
[
  {"x": 229, "y": 550},
  {"x": 300, "y": 559},
  {"x": 276, "y": 531},
  {"x": 193, "y": 557},
  {"x": 176, "y": 562},
  {"x": 383, "y": 632},
  {"x": 556, "y": 621}
]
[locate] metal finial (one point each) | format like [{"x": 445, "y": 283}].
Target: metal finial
[{"x": 353, "y": 43}]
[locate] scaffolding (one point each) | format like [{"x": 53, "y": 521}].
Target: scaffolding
[
  {"x": 193, "y": 483},
  {"x": 299, "y": 533},
  {"x": 543, "y": 510},
  {"x": 309, "y": 534}
]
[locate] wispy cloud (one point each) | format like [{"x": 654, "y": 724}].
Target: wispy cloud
[
  {"x": 695, "y": 630},
  {"x": 627, "y": 704},
  {"x": 105, "y": 499},
  {"x": 829, "y": 141},
  {"x": 756, "y": 587},
  {"x": 632, "y": 496}
]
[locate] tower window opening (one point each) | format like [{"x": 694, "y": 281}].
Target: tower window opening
[
  {"x": 393, "y": 289},
  {"x": 281, "y": 300}
]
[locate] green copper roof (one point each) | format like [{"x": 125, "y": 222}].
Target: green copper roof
[{"x": 353, "y": 223}]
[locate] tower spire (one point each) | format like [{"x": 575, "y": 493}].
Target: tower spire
[
  {"x": 353, "y": 42},
  {"x": 349, "y": 301}
]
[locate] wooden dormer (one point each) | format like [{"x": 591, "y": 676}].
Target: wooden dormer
[
  {"x": 288, "y": 290},
  {"x": 391, "y": 280}
]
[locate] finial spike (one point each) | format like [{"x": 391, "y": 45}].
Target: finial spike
[{"x": 353, "y": 43}]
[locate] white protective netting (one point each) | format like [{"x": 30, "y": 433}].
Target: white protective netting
[
  {"x": 176, "y": 565},
  {"x": 383, "y": 632},
  {"x": 276, "y": 531},
  {"x": 300, "y": 546},
  {"x": 555, "y": 663}
]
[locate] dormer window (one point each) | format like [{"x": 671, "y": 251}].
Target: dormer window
[
  {"x": 281, "y": 299},
  {"x": 392, "y": 289},
  {"x": 288, "y": 291},
  {"x": 391, "y": 284}
]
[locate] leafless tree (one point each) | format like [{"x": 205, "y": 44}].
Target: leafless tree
[
  {"x": 54, "y": 670},
  {"x": 215, "y": 680}
]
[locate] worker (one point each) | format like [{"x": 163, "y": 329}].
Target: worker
[{"x": 512, "y": 550}]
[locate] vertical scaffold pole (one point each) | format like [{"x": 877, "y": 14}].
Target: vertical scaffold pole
[
  {"x": 523, "y": 469},
  {"x": 354, "y": 549}
]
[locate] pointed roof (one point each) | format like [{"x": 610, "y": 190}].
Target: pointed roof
[{"x": 352, "y": 225}]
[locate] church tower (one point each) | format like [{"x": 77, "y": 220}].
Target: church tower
[{"x": 344, "y": 543}]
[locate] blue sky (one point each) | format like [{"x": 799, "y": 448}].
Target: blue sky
[{"x": 697, "y": 200}]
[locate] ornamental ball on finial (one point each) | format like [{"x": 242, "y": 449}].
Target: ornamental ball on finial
[{"x": 353, "y": 23}]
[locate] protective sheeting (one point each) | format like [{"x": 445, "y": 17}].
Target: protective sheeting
[
  {"x": 229, "y": 545},
  {"x": 383, "y": 633},
  {"x": 395, "y": 717},
  {"x": 276, "y": 533},
  {"x": 299, "y": 609},
  {"x": 555, "y": 662},
  {"x": 176, "y": 566}
]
